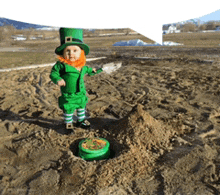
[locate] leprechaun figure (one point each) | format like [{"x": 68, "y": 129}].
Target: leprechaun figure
[{"x": 68, "y": 73}]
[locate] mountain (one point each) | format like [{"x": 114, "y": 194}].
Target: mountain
[{"x": 17, "y": 24}]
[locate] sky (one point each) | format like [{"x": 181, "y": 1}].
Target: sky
[{"x": 212, "y": 16}]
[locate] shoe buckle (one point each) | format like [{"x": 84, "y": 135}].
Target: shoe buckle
[{"x": 69, "y": 126}]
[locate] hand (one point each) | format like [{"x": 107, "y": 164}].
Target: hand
[
  {"x": 94, "y": 70},
  {"x": 61, "y": 83}
]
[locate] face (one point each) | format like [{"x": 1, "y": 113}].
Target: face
[{"x": 72, "y": 53}]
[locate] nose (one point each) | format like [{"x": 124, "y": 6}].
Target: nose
[{"x": 71, "y": 52}]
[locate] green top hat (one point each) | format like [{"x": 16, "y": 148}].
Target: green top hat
[{"x": 71, "y": 36}]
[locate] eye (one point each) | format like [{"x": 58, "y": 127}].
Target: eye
[{"x": 75, "y": 50}]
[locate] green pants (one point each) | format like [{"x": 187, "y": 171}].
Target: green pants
[{"x": 70, "y": 102}]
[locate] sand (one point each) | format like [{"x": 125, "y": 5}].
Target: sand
[{"x": 161, "y": 115}]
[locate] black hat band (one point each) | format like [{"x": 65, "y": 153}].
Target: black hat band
[{"x": 69, "y": 40}]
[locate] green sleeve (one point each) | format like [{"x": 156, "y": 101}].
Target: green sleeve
[
  {"x": 55, "y": 72},
  {"x": 91, "y": 73}
]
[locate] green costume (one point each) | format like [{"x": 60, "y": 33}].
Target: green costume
[{"x": 74, "y": 93}]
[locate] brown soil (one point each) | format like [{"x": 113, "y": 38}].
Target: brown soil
[{"x": 161, "y": 116}]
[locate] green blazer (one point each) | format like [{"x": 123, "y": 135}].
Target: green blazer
[{"x": 73, "y": 78}]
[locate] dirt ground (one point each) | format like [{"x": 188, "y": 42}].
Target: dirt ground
[{"x": 161, "y": 115}]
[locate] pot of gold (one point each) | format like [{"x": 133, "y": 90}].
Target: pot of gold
[{"x": 94, "y": 149}]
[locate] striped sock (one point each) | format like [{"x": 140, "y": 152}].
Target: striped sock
[
  {"x": 68, "y": 118},
  {"x": 81, "y": 114}
]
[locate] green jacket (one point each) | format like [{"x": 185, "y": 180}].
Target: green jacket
[{"x": 73, "y": 78}]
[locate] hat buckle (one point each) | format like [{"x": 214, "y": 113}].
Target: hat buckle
[{"x": 68, "y": 39}]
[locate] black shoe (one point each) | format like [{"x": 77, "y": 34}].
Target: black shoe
[
  {"x": 83, "y": 124},
  {"x": 68, "y": 128}
]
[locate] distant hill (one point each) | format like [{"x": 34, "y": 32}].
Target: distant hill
[{"x": 17, "y": 24}]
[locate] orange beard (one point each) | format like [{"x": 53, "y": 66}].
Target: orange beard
[{"x": 78, "y": 63}]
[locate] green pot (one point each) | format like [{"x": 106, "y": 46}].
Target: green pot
[{"x": 90, "y": 154}]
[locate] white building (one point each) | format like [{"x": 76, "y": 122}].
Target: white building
[
  {"x": 171, "y": 29},
  {"x": 18, "y": 37}
]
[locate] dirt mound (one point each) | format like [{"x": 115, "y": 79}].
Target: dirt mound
[
  {"x": 136, "y": 142},
  {"x": 140, "y": 129}
]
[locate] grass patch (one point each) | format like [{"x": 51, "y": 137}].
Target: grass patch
[
  {"x": 42, "y": 51},
  {"x": 17, "y": 59},
  {"x": 197, "y": 39}
]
